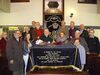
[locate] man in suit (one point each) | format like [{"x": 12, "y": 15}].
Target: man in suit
[
  {"x": 83, "y": 32},
  {"x": 15, "y": 54}
]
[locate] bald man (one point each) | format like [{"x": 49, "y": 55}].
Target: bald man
[{"x": 83, "y": 32}]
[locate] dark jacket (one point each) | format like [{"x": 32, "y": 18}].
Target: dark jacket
[
  {"x": 82, "y": 42},
  {"x": 46, "y": 39},
  {"x": 14, "y": 52},
  {"x": 25, "y": 48},
  {"x": 85, "y": 35},
  {"x": 93, "y": 44},
  {"x": 31, "y": 33},
  {"x": 24, "y": 34},
  {"x": 2, "y": 46}
]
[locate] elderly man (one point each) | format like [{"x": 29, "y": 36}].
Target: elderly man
[
  {"x": 46, "y": 36},
  {"x": 83, "y": 32},
  {"x": 82, "y": 41},
  {"x": 14, "y": 53},
  {"x": 93, "y": 42},
  {"x": 82, "y": 53},
  {"x": 63, "y": 28}
]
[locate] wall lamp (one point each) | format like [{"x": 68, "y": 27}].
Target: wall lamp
[{"x": 71, "y": 15}]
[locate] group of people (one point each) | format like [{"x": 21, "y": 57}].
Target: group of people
[{"x": 18, "y": 47}]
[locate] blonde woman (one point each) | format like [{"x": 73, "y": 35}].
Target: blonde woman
[{"x": 25, "y": 31}]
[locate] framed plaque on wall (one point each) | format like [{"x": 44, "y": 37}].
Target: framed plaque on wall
[
  {"x": 20, "y": 0},
  {"x": 53, "y": 14},
  {"x": 88, "y": 1}
]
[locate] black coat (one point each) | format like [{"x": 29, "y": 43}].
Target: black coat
[
  {"x": 14, "y": 52},
  {"x": 85, "y": 35},
  {"x": 31, "y": 33},
  {"x": 93, "y": 44}
]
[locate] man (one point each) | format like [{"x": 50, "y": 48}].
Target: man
[
  {"x": 46, "y": 36},
  {"x": 83, "y": 32},
  {"x": 15, "y": 54},
  {"x": 31, "y": 29},
  {"x": 72, "y": 30},
  {"x": 63, "y": 28},
  {"x": 82, "y": 41},
  {"x": 82, "y": 53},
  {"x": 93, "y": 42},
  {"x": 82, "y": 46}
]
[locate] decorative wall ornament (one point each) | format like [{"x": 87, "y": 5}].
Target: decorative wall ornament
[{"x": 53, "y": 13}]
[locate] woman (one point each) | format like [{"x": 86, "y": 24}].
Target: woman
[
  {"x": 26, "y": 44},
  {"x": 61, "y": 38},
  {"x": 25, "y": 31}
]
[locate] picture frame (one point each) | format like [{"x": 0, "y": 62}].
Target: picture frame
[
  {"x": 59, "y": 4},
  {"x": 20, "y": 0},
  {"x": 88, "y": 1}
]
